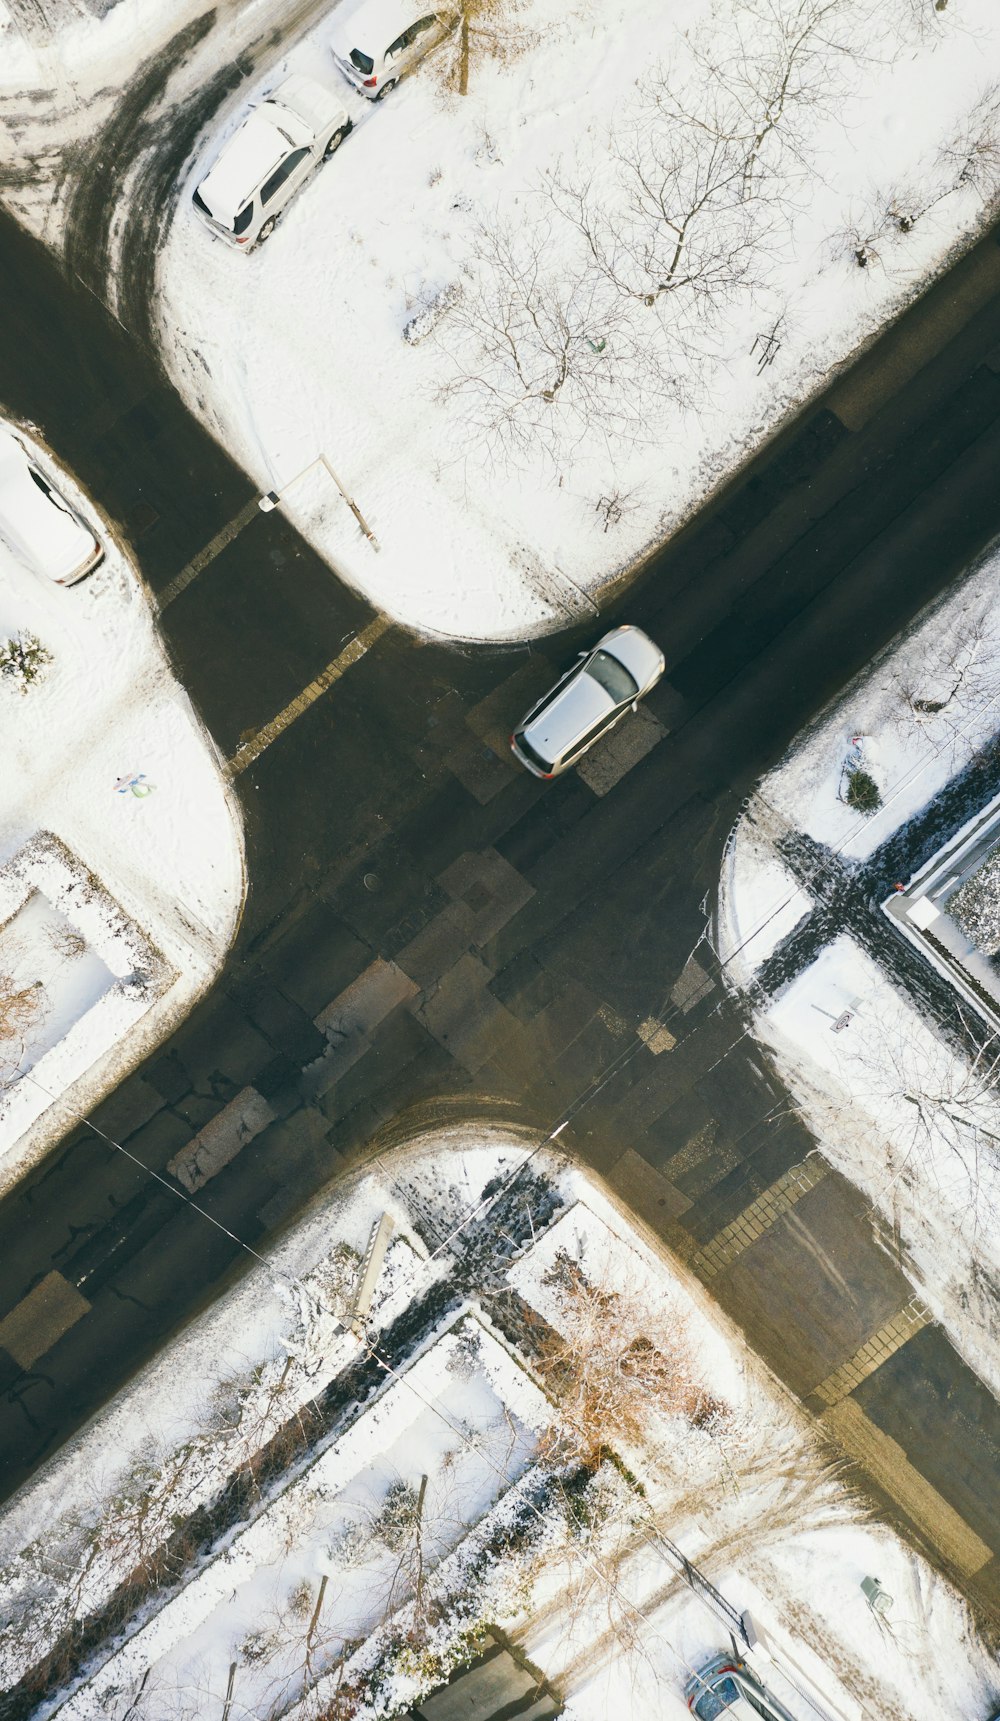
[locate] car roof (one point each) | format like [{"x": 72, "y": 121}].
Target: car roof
[
  {"x": 53, "y": 537},
  {"x": 575, "y": 707},
  {"x": 379, "y": 22},
  {"x": 250, "y": 155}
]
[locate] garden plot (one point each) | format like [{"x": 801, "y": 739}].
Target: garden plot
[
  {"x": 75, "y": 977},
  {"x": 342, "y": 1584},
  {"x": 103, "y": 750},
  {"x": 43, "y": 953},
  {"x": 478, "y": 315},
  {"x": 346, "y": 1545}
]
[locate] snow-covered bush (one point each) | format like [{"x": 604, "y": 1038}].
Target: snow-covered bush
[
  {"x": 976, "y": 906},
  {"x": 23, "y": 658},
  {"x": 20, "y": 1008}
]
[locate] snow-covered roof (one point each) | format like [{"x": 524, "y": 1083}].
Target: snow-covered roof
[
  {"x": 255, "y": 150},
  {"x": 35, "y": 521}
]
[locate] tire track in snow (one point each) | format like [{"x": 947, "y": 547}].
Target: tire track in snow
[{"x": 128, "y": 186}]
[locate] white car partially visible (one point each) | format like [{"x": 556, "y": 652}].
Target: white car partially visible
[{"x": 37, "y": 523}]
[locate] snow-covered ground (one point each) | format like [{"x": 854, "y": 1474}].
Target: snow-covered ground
[
  {"x": 105, "y": 752},
  {"x": 915, "y": 1127},
  {"x": 884, "y": 720},
  {"x": 886, "y": 717},
  {"x": 344, "y": 1546},
  {"x": 441, "y": 208},
  {"x": 893, "y": 1105}
]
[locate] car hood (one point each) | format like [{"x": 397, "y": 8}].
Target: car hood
[
  {"x": 308, "y": 101},
  {"x": 40, "y": 529},
  {"x": 636, "y": 651},
  {"x": 578, "y": 705}
]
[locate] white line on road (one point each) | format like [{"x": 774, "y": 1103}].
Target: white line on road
[{"x": 355, "y": 649}]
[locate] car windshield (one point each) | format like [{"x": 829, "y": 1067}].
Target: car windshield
[
  {"x": 47, "y": 490},
  {"x": 612, "y": 676},
  {"x": 716, "y": 1700},
  {"x": 364, "y": 62},
  {"x": 529, "y": 752}
]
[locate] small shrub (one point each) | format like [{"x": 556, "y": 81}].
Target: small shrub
[
  {"x": 23, "y": 658},
  {"x": 398, "y": 1518},
  {"x": 300, "y": 1602},
  {"x": 259, "y": 1647},
  {"x": 863, "y": 792}
]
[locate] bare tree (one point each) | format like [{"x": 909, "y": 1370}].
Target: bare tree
[
  {"x": 945, "y": 674},
  {"x": 485, "y": 30},
  {"x": 969, "y": 159},
  {"x": 925, "y": 20},
  {"x": 971, "y": 156},
  {"x": 704, "y": 165},
  {"x": 545, "y": 352},
  {"x": 614, "y": 1361},
  {"x": 21, "y": 1009},
  {"x": 781, "y": 67}
]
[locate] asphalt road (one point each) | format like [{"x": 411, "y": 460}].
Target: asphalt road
[{"x": 491, "y": 945}]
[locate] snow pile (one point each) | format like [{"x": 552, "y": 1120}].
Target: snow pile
[
  {"x": 760, "y": 902},
  {"x": 105, "y": 752},
  {"x": 518, "y": 388}
]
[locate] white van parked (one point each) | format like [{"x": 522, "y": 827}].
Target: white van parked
[
  {"x": 264, "y": 163},
  {"x": 376, "y": 41}
]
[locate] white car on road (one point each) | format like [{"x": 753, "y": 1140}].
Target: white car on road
[
  {"x": 589, "y": 700},
  {"x": 264, "y": 163},
  {"x": 36, "y": 521}
]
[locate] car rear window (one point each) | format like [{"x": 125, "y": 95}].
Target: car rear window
[
  {"x": 612, "y": 676},
  {"x": 364, "y": 62},
  {"x": 531, "y": 753},
  {"x": 244, "y": 218},
  {"x": 716, "y": 1700}
]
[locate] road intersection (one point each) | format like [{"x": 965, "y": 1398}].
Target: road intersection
[{"x": 430, "y": 934}]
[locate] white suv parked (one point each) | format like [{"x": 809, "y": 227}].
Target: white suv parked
[
  {"x": 264, "y": 163},
  {"x": 375, "y": 42}
]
